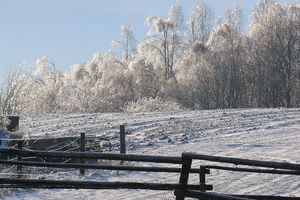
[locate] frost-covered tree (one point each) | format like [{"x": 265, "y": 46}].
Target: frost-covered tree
[
  {"x": 100, "y": 85},
  {"x": 227, "y": 61},
  {"x": 277, "y": 55},
  {"x": 202, "y": 67},
  {"x": 145, "y": 79},
  {"x": 11, "y": 90},
  {"x": 199, "y": 24},
  {"x": 233, "y": 17},
  {"x": 195, "y": 78},
  {"x": 164, "y": 40},
  {"x": 127, "y": 42},
  {"x": 261, "y": 8},
  {"x": 41, "y": 93}
]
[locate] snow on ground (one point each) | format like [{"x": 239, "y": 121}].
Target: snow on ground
[{"x": 264, "y": 134}]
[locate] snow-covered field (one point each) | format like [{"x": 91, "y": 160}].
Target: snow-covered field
[{"x": 264, "y": 134}]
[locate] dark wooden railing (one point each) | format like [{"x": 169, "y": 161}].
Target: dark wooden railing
[
  {"x": 32, "y": 183},
  {"x": 269, "y": 168},
  {"x": 80, "y": 160},
  {"x": 181, "y": 190}
]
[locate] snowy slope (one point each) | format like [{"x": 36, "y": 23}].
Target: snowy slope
[{"x": 264, "y": 134}]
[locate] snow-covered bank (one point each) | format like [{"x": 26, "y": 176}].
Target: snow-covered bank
[{"x": 264, "y": 134}]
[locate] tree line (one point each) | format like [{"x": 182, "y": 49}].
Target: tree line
[{"x": 195, "y": 63}]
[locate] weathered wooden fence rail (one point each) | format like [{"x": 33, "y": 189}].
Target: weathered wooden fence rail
[
  {"x": 88, "y": 155},
  {"x": 187, "y": 158},
  {"x": 97, "y": 166},
  {"x": 31, "y": 183},
  {"x": 240, "y": 161},
  {"x": 62, "y": 184},
  {"x": 91, "y": 155},
  {"x": 181, "y": 190}
]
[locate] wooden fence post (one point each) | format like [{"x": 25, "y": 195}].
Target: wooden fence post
[
  {"x": 184, "y": 176},
  {"x": 19, "y": 158},
  {"x": 122, "y": 139},
  {"x": 202, "y": 174},
  {"x": 82, "y": 149}
]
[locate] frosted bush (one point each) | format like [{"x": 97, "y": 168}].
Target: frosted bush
[{"x": 152, "y": 104}]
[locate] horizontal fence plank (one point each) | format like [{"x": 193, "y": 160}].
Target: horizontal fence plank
[
  {"x": 251, "y": 170},
  {"x": 240, "y": 161},
  {"x": 92, "y": 155},
  {"x": 217, "y": 196},
  {"x": 265, "y": 197},
  {"x": 97, "y": 166},
  {"x": 208, "y": 196},
  {"x": 62, "y": 184}
]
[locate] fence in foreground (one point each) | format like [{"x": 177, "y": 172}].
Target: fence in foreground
[
  {"x": 182, "y": 189},
  {"x": 254, "y": 166}
]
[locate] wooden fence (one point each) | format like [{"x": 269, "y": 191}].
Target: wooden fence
[
  {"x": 81, "y": 160},
  {"x": 264, "y": 167},
  {"x": 31, "y": 183},
  {"x": 181, "y": 190}
]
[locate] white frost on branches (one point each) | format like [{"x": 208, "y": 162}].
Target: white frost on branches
[{"x": 196, "y": 66}]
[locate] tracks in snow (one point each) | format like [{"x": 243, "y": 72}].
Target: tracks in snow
[{"x": 266, "y": 134}]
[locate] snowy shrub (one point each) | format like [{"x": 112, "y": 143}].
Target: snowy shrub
[{"x": 152, "y": 104}]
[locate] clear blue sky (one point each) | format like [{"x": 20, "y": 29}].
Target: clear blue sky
[{"x": 70, "y": 31}]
